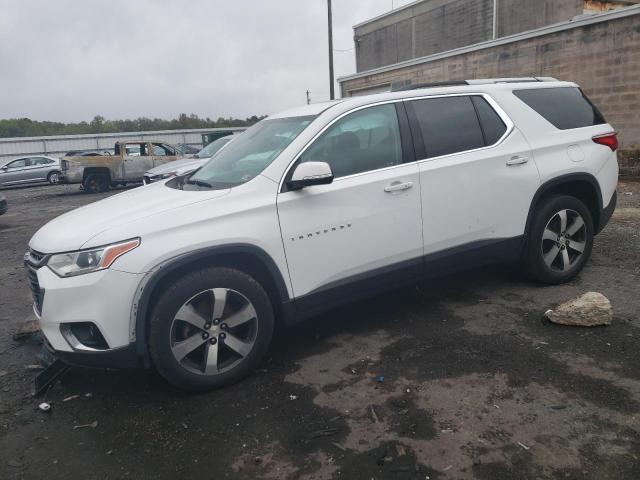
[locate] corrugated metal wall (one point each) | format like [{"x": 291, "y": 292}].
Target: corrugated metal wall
[{"x": 59, "y": 145}]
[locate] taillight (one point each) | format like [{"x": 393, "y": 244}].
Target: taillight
[{"x": 608, "y": 140}]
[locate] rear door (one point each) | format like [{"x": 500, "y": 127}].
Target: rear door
[
  {"x": 137, "y": 160},
  {"x": 39, "y": 169},
  {"x": 476, "y": 173},
  {"x": 364, "y": 230}
]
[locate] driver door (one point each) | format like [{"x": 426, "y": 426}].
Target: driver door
[
  {"x": 363, "y": 231},
  {"x": 15, "y": 172},
  {"x": 137, "y": 160}
]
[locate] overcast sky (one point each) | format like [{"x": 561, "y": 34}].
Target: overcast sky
[{"x": 69, "y": 60}]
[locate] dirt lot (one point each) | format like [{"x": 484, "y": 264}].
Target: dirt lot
[{"x": 457, "y": 378}]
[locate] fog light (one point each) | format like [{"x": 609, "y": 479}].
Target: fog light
[{"x": 83, "y": 336}]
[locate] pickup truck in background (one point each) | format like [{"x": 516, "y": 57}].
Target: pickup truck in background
[{"x": 131, "y": 159}]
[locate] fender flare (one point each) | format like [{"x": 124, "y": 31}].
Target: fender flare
[
  {"x": 158, "y": 273},
  {"x": 557, "y": 181}
]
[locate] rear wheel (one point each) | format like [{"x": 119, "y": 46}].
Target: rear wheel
[
  {"x": 211, "y": 328},
  {"x": 560, "y": 239},
  {"x": 53, "y": 178},
  {"x": 96, "y": 183}
]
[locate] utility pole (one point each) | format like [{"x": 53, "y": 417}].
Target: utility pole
[
  {"x": 331, "y": 82},
  {"x": 308, "y": 97}
]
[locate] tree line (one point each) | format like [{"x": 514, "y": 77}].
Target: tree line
[{"x": 24, "y": 127}]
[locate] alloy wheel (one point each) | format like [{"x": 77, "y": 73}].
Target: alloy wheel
[
  {"x": 564, "y": 239},
  {"x": 213, "y": 331}
]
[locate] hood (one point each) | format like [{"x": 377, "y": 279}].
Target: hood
[
  {"x": 176, "y": 165},
  {"x": 75, "y": 229}
]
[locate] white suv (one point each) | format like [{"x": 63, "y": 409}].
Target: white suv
[{"x": 318, "y": 206}]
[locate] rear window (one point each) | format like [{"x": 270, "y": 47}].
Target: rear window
[{"x": 563, "y": 107}]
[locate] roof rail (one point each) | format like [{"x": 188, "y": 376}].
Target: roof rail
[
  {"x": 483, "y": 81},
  {"x": 479, "y": 81},
  {"x": 452, "y": 83}
]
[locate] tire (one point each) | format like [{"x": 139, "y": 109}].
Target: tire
[
  {"x": 551, "y": 256},
  {"x": 53, "y": 178},
  {"x": 96, "y": 183},
  {"x": 227, "y": 353}
]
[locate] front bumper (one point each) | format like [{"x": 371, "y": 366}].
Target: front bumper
[{"x": 103, "y": 299}]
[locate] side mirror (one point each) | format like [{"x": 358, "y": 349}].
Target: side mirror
[
  {"x": 4, "y": 168},
  {"x": 307, "y": 174}
]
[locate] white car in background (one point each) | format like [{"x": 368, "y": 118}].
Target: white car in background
[{"x": 186, "y": 165}]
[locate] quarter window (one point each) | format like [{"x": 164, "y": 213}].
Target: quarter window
[
  {"x": 446, "y": 124},
  {"x": 492, "y": 125},
  {"x": 564, "y": 107},
  {"x": 365, "y": 140}
]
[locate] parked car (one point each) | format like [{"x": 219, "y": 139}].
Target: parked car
[
  {"x": 35, "y": 169},
  {"x": 3, "y": 204},
  {"x": 187, "y": 165},
  {"x": 131, "y": 159},
  {"x": 319, "y": 206}
]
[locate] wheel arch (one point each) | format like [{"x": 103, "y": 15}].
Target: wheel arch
[
  {"x": 244, "y": 257},
  {"x": 95, "y": 171},
  {"x": 583, "y": 186}
]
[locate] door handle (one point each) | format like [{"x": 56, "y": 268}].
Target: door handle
[
  {"x": 517, "y": 160},
  {"x": 398, "y": 187}
]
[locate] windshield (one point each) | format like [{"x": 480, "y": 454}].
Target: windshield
[
  {"x": 211, "y": 149},
  {"x": 249, "y": 153}
]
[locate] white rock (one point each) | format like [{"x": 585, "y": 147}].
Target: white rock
[{"x": 588, "y": 310}]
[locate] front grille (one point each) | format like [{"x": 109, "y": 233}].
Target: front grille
[
  {"x": 36, "y": 256},
  {"x": 36, "y": 291},
  {"x": 33, "y": 261}
]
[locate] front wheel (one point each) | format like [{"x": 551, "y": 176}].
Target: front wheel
[
  {"x": 96, "y": 183},
  {"x": 210, "y": 328},
  {"x": 560, "y": 239}
]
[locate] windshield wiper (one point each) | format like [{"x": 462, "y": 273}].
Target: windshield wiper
[{"x": 199, "y": 183}]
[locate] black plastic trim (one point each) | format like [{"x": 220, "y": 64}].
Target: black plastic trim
[
  {"x": 607, "y": 212},
  {"x": 201, "y": 254},
  {"x": 554, "y": 182},
  {"x": 403, "y": 274},
  {"x": 124, "y": 357}
]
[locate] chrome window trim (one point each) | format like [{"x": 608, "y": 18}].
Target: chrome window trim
[
  {"x": 492, "y": 103},
  {"x": 501, "y": 113}
]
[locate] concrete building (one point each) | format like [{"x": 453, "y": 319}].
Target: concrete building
[{"x": 594, "y": 43}]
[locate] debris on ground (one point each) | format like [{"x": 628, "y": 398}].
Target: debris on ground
[
  {"x": 72, "y": 397},
  {"x": 88, "y": 425},
  {"x": 3, "y": 373},
  {"x": 374, "y": 415},
  {"x": 88, "y": 395},
  {"x": 588, "y": 310},
  {"x": 34, "y": 366},
  {"x": 44, "y": 407},
  {"x": 325, "y": 432},
  {"x": 524, "y": 446},
  {"x": 293, "y": 397},
  {"x": 380, "y": 379},
  {"x": 14, "y": 463},
  {"x": 27, "y": 330}
]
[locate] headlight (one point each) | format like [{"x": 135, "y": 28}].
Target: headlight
[{"x": 86, "y": 261}]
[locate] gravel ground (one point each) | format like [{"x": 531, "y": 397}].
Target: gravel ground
[{"x": 457, "y": 378}]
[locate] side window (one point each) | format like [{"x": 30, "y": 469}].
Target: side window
[
  {"x": 18, "y": 163},
  {"x": 492, "y": 125},
  {"x": 136, "y": 149},
  {"x": 368, "y": 139},
  {"x": 160, "y": 150},
  {"x": 40, "y": 161},
  {"x": 563, "y": 107},
  {"x": 447, "y": 125}
]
